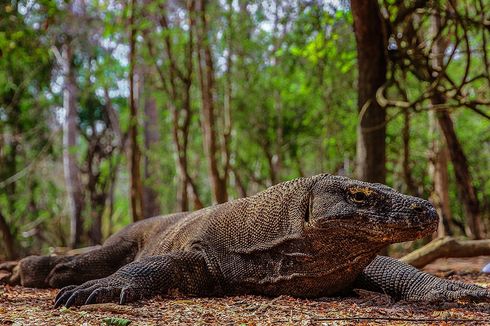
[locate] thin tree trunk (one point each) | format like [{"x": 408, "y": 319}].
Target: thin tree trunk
[
  {"x": 136, "y": 186},
  {"x": 227, "y": 103},
  {"x": 371, "y": 60},
  {"x": 275, "y": 160},
  {"x": 464, "y": 184},
  {"x": 466, "y": 191},
  {"x": 120, "y": 139},
  {"x": 407, "y": 170},
  {"x": 151, "y": 202},
  {"x": 70, "y": 136},
  {"x": 439, "y": 174},
  {"x": 178, "y": 87},
  {"x": 242, "y": 190},
  {"x": 208, "y": 123},
  {"x": 8, "y": 239}
]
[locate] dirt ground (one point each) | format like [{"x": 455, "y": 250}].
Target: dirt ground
[{"x": 23, "y": 306}]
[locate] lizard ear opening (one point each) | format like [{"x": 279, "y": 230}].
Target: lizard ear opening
[{"x": 309, "y": 208}]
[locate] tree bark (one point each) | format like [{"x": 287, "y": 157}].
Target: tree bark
[
  {"x": 464, "y": 184},
  {"x": 136, "y": 186},
  {"x": 228, "y": 87},
  {"x": 8, "y": 239},
  {"x": 208, "y": 123},
  {"x": 407, "y": 170},
  {"x": 151, "y": 202},
  {"x": 70, "y": 137},
  {"x": 178, "y": 88},
  {"x": 439, "y": 174},
  {"x": 276, "y": 159},
  {"x": 371, "y": 60}
]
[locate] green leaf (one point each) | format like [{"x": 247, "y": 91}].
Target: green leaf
[{"x": 116, "y": 321}]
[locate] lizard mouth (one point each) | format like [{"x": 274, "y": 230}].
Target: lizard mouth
[
  {"x": 401, "y": 227},
  {"x": 380, "y": 229},
  {"x": 401, "y": 234}
]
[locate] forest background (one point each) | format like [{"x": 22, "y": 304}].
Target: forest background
[{"x": 114, "y": 111}]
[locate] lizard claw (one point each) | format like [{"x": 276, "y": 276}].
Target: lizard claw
[
  {"x": 131, "y": 294},
  {"x": 109, "y": 289},
  {"x": 61, "y": 293}
]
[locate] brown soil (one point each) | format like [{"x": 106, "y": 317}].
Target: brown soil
[{"x": 23, "y": 306}]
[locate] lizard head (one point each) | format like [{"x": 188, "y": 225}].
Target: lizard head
[{"x": 369, "y": 210}]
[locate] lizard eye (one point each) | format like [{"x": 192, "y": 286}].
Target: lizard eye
[{"x": 359, "y": 197}]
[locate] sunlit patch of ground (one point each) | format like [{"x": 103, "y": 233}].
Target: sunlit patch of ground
[{"x": 22, "y": 306}]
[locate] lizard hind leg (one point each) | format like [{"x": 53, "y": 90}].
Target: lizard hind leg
[
  {"x": 30, "y": 271},
  {"x": 10, "y": 273}
]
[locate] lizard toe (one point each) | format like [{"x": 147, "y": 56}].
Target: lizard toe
[
  {"x": 64, "y": 296},
  {"x": 62, "y": 299},
  {"x": 131, "y": 294},
  {"x": 63, "y": 291},
  {"x": 80, "y": 295},
  {"x": 103, "y": 295}
]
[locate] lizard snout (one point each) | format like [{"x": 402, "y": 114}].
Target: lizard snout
[{"x": 425, "y": 212}]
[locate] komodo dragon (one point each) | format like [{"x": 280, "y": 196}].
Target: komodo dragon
[{"x": 309, "y": 237}]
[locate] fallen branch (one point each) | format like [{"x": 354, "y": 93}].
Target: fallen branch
[{"x": 447, "y": 247}]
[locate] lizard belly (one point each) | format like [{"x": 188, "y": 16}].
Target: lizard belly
[{"x": 300, "y": 273}]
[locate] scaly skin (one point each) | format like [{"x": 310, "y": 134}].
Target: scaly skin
[{"x": 310, "y": 237}]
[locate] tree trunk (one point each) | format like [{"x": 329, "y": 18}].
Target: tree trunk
[
  {"x": 275, "y": 160},
  {"x": 228, "y": 98},
  {"x": 8, "y": 239},
  {"x": 466, "y": 191},
  {"x": 208, "y": 123},
  {"x": 371, "y": 60},
  {"x": 178, "y": 88},
  {"x": 407, "y": 170},
  {"x": 70, "y": 136},
  {"x": 136, "y": 186},
  {"x": 438, "y": 171},
  {"x": 151, "y": 203}
]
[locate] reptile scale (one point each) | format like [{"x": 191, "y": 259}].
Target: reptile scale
[{"x": 309, "y": 237}]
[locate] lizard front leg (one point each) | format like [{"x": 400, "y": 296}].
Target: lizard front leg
[
  {"x": 186, "y": 272},
  {"x": 403, "y": 281}
]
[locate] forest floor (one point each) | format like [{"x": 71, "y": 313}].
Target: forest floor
[{"x": 23, "y": 306}]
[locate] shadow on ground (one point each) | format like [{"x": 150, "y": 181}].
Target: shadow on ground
[{"x": 23, "y": 306}]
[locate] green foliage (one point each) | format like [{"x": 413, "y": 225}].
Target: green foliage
[
  {"x": 293, "y": 105},
  {"x": 115, "y": 321}
]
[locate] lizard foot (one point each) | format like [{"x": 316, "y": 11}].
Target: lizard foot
[
  {"x": 10, "y": 273},
  {"x": 109, "y": 289},
  {"x": 452, "y": 291}
]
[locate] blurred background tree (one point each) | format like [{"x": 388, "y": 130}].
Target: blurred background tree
[{"x": 114, "y": 111}]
